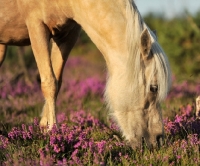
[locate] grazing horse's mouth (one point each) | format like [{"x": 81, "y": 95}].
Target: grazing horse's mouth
[
  {"x": 157, "y": 143},
  {"x": 160, "y": 140},
  {"x": 151, "y": 144}
]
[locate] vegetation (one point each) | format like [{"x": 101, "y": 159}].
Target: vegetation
[
  {"x": 85, "y": 136},
  {"x": 180, "y": 38}
]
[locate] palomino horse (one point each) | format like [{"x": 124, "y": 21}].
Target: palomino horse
[{"x": 138, "y": 70}]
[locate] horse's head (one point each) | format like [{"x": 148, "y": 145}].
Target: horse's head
[
  {"x": 153, "y": 131},
  {"x": 153, "y": 84},
  {"x": 138, "y": 79}
]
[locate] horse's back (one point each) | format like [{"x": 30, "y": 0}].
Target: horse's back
[
  {"x": 13, "y": 30},
  {"x": 14, "y": 14}
]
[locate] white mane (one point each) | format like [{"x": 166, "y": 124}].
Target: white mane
[
  {"x": 135, "y": 26},
  {"x": 162, "y": 68}
]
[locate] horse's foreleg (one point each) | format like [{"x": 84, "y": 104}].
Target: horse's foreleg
[
  {"x": 2, "y": 53},
  {"x": 39, "y": 36},
  {"x": 59, "y": 55}
]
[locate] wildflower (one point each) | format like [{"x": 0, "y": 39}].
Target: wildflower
[
  {"x": 178, "y": 119},
  {"x": 52, "y": 139},
  {"x": 101, "y": 146},
  {"x": 30, "y": 128},
  {"x": 193, "y": 139},
  {"x": 187, "y": 110},
  {"x": 3, "y": 142},
  {"x": 61, "y": 117},
  {"x": 77, "y": 145},
  {"x": 184, "y": 145},
  {"x": 14, "y": 133},
  {"x": 169, "y": 126},
  {"x": 178, "y": 157},
  {"x": 23, "y": 127},
  {"x": 75, "y": 152},
  {"x": 42, "y": 154},
  {"x": 36, "y": 122},
  {"x": 56, "y": 148}
]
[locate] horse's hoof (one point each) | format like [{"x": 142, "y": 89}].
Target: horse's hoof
[{"x": 44, "y": 125}]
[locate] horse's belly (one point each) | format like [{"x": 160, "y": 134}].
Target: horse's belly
[
  {"x": 18, "y": 37},
  {"x": 12, "y": 33},
  {"x": 13, "y": 30}
]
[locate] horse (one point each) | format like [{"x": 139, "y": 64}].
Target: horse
[{"x": 139, "y": 75}]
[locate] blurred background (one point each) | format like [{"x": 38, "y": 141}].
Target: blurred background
[{"x": 168, "y": 8}]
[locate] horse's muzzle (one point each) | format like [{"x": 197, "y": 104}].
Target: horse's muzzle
[{"x": 160, "y": 140}]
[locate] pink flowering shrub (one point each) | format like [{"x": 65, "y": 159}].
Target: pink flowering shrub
[
  {"x": 81, "y": 139},
  {"x": 84, "y": 135}
]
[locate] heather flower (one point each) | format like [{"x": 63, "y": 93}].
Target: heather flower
[
  {"x": 186, "y": 111},
  {"x": 42, "y": 154},
  {"x": 3, "y": 142},
  {"x": 52, "y": 139},
  {"x": 178, "y": 157},
  {"x": 36, "y": 122},
  {"x": 91, "y": 146},
  {"x": 56, "y": 148},
  {"x": 70, "y": 137},
  {"x": 59, "y": 137},
  {"x": 63, "y": 128},
  {"x": 75, "y": 157},
  {"x": 82, "y": 139},
  {"x": 61, "y": 118},
  {"x": 101, "y": 146},
  {"x": 184, "y": 145},
  {"x": 193, "y": 139},
  {"x": 30, "y": 128},
  {"x": 14, "y": 133},
  {"x": 77, "y": 145},
  {"x": 178, "y": 119}
]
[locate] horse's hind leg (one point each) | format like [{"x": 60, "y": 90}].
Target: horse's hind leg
[
  {"x": 21, "y": 52},
  {"x": 59, "y": 55},
  {"x": 2, "y": 53},
  {"x": 60, "y": 52}
]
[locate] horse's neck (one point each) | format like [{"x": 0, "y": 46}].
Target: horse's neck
[{"x": 105, "y": 23}]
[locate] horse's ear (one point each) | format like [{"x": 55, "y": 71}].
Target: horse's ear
[{"x": 145, "y": 44}]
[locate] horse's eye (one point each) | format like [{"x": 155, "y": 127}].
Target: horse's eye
[{"x": 153, "y": 88}]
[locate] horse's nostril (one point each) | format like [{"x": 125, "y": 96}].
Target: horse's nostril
[
  {"x": 160, "y": 140},
  {"x": 153, "y": 88}
]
